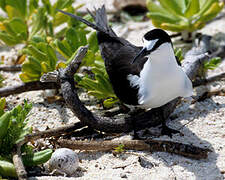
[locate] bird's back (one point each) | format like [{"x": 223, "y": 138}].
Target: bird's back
[{"x": 117, "y": 54}]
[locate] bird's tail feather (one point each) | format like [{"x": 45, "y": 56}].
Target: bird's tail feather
[{"x": 100, "y": 18}]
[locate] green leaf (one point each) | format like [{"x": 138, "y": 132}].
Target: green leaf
[
  {"x": 109, "y": 103},
  {"x": 51, "y": 56},
  {"x": 176, "y": 7},
  {"x": 82, "y": 37},
  {"x": 193, "y": 8},
  {"x": 104, "y": 83},
  {"x": 62, "y": 48},
  {"x": 174, "y": 27},
  {"x": 38, "y": 21},
  {"x": 73, "y": 39},
  {"x": 36, "y": 39},
  {"x": 33, "y": 5},
  {"x": 213, "y": 63},
  {"x": 26, "y": 78},
  {"x": 32, "y": 66},
  {"x": 61, "y": 4},
  {"x": 212, "y": 12},
  {"x": 45, "y": 67},
  {"x": 19, "y": 26},
  {"x": 162, "y": 17},
  {"x": 93, "y": 42},
  {"x": 2, "y": 4},
  {"x": 37, "y": 53},
  {"x": 47, "y": 5},
  {"x": 7, "y": 39},
  {"x": 19, "y": 5},
  {"x": 2, "y": 106},
  {"x": 97, "y": 94},
  {"x": 205, "y": 7}
]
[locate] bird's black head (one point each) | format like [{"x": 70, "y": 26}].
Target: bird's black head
[{"x": 152, "y": 40}]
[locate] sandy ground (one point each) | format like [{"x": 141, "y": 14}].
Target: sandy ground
[{"x": 206, "y": 128}]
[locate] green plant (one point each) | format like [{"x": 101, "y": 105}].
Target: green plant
[
  {"x": 183, "y": 15},
  {"x": 99, "y": 86},
  {"x": 41, "y": 50},
  {"x": 40, "y": 58},
  {"x": 41, "y": 54},
  {"x": 120, "y": 148},
  {"x": 212, "y": 63},
  {"x": 26, "y": 19},
  {"x": 13, "y": 125},
  {"x": 1, "y": 80},
  {"x": 7, "y": 168},
  {"x": 2, "y": 106},
  {"x": 178, "y": 53}
]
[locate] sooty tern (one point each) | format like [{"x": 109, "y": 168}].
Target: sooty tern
[{"x": 148, "y": 76}]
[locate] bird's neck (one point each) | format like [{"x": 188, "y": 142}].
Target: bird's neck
[{"x": 164, "y": 55}]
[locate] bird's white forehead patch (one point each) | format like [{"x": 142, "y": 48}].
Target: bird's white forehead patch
[{"x": 149, "y": 44}]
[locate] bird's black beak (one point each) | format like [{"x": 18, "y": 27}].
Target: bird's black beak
[{"x": 142, "y": 53}]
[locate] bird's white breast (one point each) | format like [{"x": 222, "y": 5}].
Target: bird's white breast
[{"x": 161, "y": 79}]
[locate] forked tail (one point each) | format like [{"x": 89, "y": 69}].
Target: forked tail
[{"x": 100, "y": 19}]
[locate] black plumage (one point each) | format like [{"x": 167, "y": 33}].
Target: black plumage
[{"x": 117, "y": 54}]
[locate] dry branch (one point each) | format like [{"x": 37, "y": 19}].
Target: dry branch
[
  {"x": 149, "y": 145},
  {"x": 213, "y": 78},
  {"x": 53, "y": 132},
  {"x": 18, "y": 163},
  {"x": 30, "y": 86},
  {"x": 10, "y": 68}
]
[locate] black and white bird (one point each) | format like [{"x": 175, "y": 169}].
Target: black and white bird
[{"x": 147, "y": 76}]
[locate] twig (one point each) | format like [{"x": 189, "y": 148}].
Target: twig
[
  {"x": 53, "y": 132},
  {"x": 10, "y": 68},
  {"x": 186, "y": 150},
  {"x": 18, "y": 163},
  {"x": 204, "y": 81},
  {"x": 24, "y": 87},
  {"x": 175, "y": 35}
]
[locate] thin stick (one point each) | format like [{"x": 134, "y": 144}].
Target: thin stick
[
  {"x": 186, "y": 150},
  {"x": 204, "y": 81},
  {"x": 24, "y": 87},
  {"x": 18, "y": 163},
  {"x": 53, "y": 132},
  {"x": 10, "y": 68}
]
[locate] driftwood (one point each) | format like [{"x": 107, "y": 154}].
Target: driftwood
[
  {"x": 149, "y": 145},
  {"x": 53, "y": 132},
  {"x": 205, "y": 81},
  {"x": 24, "y": 87},
  {"x": 10, "y": 68},
  {"x": 18, "y": 163}
]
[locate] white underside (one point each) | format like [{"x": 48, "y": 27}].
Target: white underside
[{"x": 161, "y": 79}]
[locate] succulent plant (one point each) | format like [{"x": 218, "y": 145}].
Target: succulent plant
[
  {"x": 25, "y": 18},
  {"x": 40, "y": 58},
  {"x": 99, "y": 85},
  {"x": 183, "y": 15}
]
